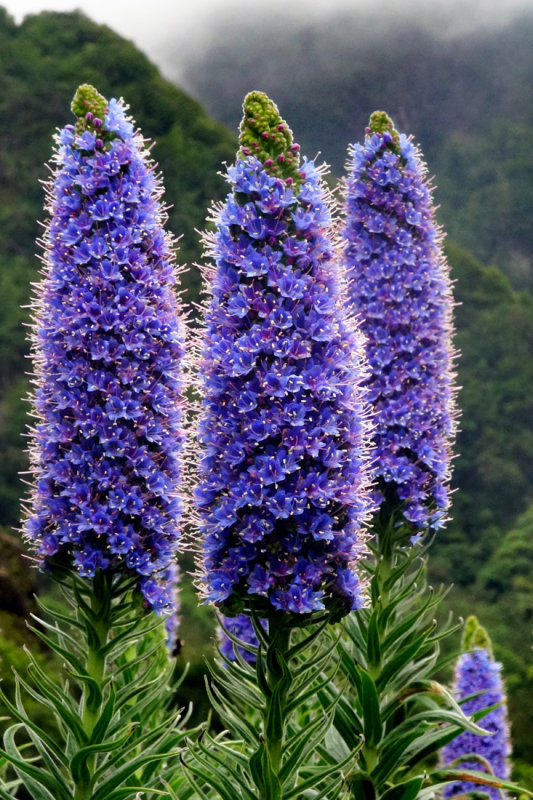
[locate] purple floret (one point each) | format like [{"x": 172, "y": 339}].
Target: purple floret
[
  {"x": 108, "y": 347},
  {"x": 477, "y": 672},
  {"x": 400, "y": 288},
  {"x": 283, "y": 476}
]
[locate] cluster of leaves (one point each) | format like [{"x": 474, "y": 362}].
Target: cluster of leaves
[
  {"x": 391, "y": 699},
  {"x": 270, "y": 705},
  {"x": 110, "y": 732}
]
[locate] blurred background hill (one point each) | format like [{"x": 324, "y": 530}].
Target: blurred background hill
[{"x": 466, "y": 98}]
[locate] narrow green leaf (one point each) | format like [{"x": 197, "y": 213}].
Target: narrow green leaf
[
  {"x": 59, "y": 632},
  {"x": 256, "y": 768},
  {"x": 221, "y": 759},
  {"x": 49, "y": 687},
  {"x": 132, "y": 632},
  {"x": 124, "y": 772},
  {"x": 58, "y": 708},
  {"x": 372, "y": 727},
  {"x": 211, "y": 780},
  {"x": 480, "y": 778},
  {"x": 53, "y": 612},
  {"x": 103, "y": 721},
  {"x": 299, "y": 647},
  {"x": 373, "y": 643},
  {"x": 19, "y": 713},
  {"x": 396, "y": 574},
  {"x": 319, "y": 774},
  {"x": 404, "y": 791},
  {"x": 390, "y": 756},
  {"x": 232, "y": 752},
  {"x": 349, "y": 668},
  {"x": 94, "y": 693},
  {"x": 352, "y": 629},
  {"x": 34, "y": 774},
  {"x": 404, "y": 657},
  {"x": 274, "y": 723},
  {"x": 78, "y": 764},
  {"x": 304, "y": 742},
  {"x": 61, "y": 651},
  {"x": 301, "y": 698}
]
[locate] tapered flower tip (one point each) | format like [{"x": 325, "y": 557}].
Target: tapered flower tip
[
  {"x": 381, "y": 123},
  {"x": 475, "y": 635},
  {"x": 265, "y": 135},
  {"x": 89, "y": 106}
]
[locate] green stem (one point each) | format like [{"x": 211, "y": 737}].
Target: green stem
[
  {"x": 278, "y": 680},
  {"x": 95, "y": 668}
]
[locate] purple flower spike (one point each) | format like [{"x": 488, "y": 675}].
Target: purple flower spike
[
  {"x": 283, "y": 476},
  {"x": 477, "y": 671},
  {"x": 108, "y": 348},
  {"x": 400, "y": 288}
]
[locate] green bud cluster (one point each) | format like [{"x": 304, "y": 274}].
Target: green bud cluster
[
  {"x": 89, "y": 106},
  {"x": 380, "y": 122},
  {"x": 475, "y": 635},
  {"x": 264, "y": 134}
]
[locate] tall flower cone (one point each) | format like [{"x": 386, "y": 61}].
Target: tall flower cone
[
  {"x": 108, "y": 350},
  {"x": 282, "y": 494},
  {"x": 400, "y": 288},
  {"x": 283, "y": 486},
  {"x": 104, "y": 509},
  {"x": 478, "y": 685}
]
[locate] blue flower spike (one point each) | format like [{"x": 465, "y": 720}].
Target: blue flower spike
[
  {"x": 400, "y": 288},
  {"x": 282, "y": 493},
  {"x": 478, "y": 677},
  {"x": 108, "y": 349}
]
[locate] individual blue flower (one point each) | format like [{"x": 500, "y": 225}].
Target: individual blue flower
[
  {"x": 399, "y": 287},
  {"x": 478, "y": 677},
  {"x": 283, "y": 475},
  {"x": 108, "y": 349}
]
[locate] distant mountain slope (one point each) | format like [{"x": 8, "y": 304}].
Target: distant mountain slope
[{"x": 467, "y": 99}]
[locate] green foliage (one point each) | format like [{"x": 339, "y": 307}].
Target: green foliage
[
  {"x": 110, "y": 734},
  {"x": 389, "y": 659},
  {"x": 494, "y": 446},
  {"x": 475, "y": 125},
  {"x": 271, "y": 708}
]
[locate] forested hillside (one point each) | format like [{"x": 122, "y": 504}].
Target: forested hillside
[
  {"x": 467, "y": 98},
  {"x": 486, "y": 549}
]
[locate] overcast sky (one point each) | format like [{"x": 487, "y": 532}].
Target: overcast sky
[{"x": 169, "y": 30}]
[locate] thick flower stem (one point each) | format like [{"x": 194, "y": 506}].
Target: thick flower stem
[
  {"x": 279, "y": 682},
  {"x": 276, "y": 688},
  {"x": 98, "y": 632}
]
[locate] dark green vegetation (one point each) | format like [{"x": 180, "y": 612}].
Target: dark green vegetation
[
  {"x": 484, "y": 171},
  {"x": 465, "y": 97}
]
